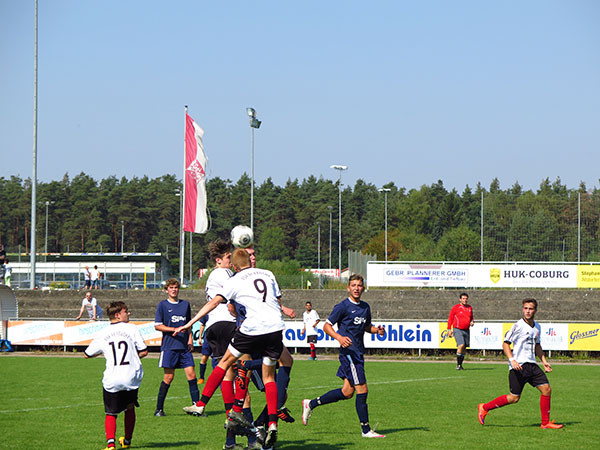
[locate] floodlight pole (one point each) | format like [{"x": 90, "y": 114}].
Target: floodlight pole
[
  {"x": 330, "y": 212},
  {"x": 385, "y": 193},
  {"x": 254, "y": 124},
  {"x": 339, "y": 168},
  {"x": 34, "y": 177}
]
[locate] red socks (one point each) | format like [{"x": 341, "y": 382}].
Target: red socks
[
  {"x": 213, "y": 382},
  {"x": 271, "y": 394},
  {"x": 227, "y": 392},
  {"x": 110, "y": 428},
  {"x": 496, "y": 403},
  {"x": 545, "y": 408},
  {"x": 313, "y": 353}
]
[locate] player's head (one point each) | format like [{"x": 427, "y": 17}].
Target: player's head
[
  {"x": 88, "y": 295},
  {"x": 308, "y": 306},
  {"x": 118, "y": 312},
  {"x": 240, "y": 259},
  {"x": 220, "y": 253},
  {"x": 172, "y": 287},
  {"x": 252, "y": 254},
  {"x": 529, "y": 308},
  {"x": 464, "y": 298},
  {"x": 356, "y": 286}
]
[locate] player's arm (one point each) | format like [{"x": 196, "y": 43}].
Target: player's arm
[
  {"x": 316, "y": 323},
  {"x": 94, "y": 307},
  {"x": 344, "y": 341},
  {"x": 509, "y": 354},
  {"x": 80, "y": 313},
  {"x": 540, "y": 354},
  {"x": 472, "y": 320},
  {"x": 208, "y": 307},
  {"x": 143, "y": 353},
  {"x": 450, "y": 321},
  {"x": 380, "y": 330},
  {"x": 287, "y": 311}
]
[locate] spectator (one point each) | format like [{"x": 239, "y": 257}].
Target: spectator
[
  {"x": 87, "y": 277},
  {"x": 7, "y": 272},
  {"x": 95, "y": 277},
  {"x": 93, "y": 309}
]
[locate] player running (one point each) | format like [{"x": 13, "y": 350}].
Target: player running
[
  {"x": 523, "y": 368},
  {"x": 260, "y": 333},
  {"x": 122, "y": 346},
  {"x": 353, "y": 318}
]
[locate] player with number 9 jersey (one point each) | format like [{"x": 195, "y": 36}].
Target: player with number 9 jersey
[{"x": 247, "y": 288}]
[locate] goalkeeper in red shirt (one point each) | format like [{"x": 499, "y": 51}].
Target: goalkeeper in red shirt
[{"x": 460, "y": 321}]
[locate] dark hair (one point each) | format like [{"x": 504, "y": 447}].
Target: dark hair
[
  {"x": 356, "y": 276},
  {"x": 464, "y": 294},
  {"x": 114, "y": 308},
  {"x": 530, "y": 300},
  {"x": 218, "y": 248},
  {"x": 308, "y": 303},
  {"x": 171, "y": 282}
]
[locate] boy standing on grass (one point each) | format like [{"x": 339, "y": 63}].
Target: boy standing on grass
[
  {"x": 523, "y": 368},
  {"x": 122, "y": 346},
  {"x": 353, "y": 318}
]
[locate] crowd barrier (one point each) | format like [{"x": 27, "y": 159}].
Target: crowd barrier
[{"x": 399, "y": 335}]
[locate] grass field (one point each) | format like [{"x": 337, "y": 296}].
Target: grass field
[{"x": 56, "y": 402}]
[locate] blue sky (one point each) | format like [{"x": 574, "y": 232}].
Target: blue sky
[{"x": 402, "y": 91}]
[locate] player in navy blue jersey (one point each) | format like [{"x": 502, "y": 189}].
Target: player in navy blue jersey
[
  {"x": 353, "y": 318},
  {"x": 175, "y": 351}
]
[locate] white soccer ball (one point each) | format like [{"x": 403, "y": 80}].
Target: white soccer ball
[{"x": 242, "y": 236}]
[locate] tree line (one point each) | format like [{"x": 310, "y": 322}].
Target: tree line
[{"x": 430, "y": 223}]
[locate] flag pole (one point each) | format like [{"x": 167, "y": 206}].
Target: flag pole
[{"x": 181, "y": 209}]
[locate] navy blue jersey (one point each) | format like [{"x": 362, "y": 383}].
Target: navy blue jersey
[
  {"x": 352, "y": 319},
  {"x": 173, "y": 315}
]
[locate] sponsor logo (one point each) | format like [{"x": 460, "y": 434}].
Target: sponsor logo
[
  {"x": 444, "y": 336},
  {"x": 177, "y": 319},
  {"x": 486, "y": 332},
  {"x": 397, "y": 333},
  {"x": 535, "y": 274},
  {"x": 495, "y": 275},
  {"x": 578, "y": 335},
  {"x": 551, "y": 332},
  {"x": 359, "y": 320}
]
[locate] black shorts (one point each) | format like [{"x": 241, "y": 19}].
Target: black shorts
[
  {"x": 117, "y": 402},
  {"x": 531, "y": 374},
  {"x": 270, "y": 345},
  {"x": 219, "y": 336},
  {"x": 312, "y": 339}
]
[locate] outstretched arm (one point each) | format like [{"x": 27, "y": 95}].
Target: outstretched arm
[{"x": 212, "y": 304}]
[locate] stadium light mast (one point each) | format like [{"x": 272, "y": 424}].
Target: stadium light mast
[
  {"x": 34, "y": 177},
  {"x": 339, "y": 168},
  {"x": 319, "y": 245},
  {"x": 385, "y": 193},
  {"x": 330, "y": 208},
  {"x": 122, "y": 234},
  {"x": 254, "y": 124}
]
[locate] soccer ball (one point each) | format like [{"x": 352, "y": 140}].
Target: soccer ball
[{"x": 242, "y": 236}]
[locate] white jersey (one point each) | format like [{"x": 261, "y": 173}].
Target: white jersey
[
  {"x": 523, "y": 337},
  {"x": 309, "y": 319},
  {"x": 120, "y": 343},
  {"x": 258, "y": 292},
  {"x": 214, "y": 285}
]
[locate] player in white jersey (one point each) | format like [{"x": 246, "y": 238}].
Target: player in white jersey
[
  {"x": 525, "y": 338},
  {"x": 122, "y": 346},
  {"x": 260, "y": 333},
  {"x": 311, "y": 319}
]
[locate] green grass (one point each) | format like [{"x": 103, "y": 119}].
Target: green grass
[{"x": 56, "y": 402}]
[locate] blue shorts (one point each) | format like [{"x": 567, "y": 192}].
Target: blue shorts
[
  {"x": 352, "y": 370},
  {"x": 176, "y": 359},
  {"x": 206, "y": 347}
]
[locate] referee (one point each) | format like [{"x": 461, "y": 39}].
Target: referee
[{"x": 459, "y": 322}]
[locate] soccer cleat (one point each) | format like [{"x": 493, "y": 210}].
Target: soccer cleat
[
  {"x": 481, "y": 413},
  {"x": 551, "y": 425},
  {"x": 194, "y": 410},
  {"x": 255, "y": 446},
  {"x": 372, "y": 434},
  {"x": 271, "y": 436},
  {"x": 109, "y": 448},
  {"x": 306, "y": 411},
  {"x": 284, "y": 414},
  {"x": 123, "y": 444},
  {"x": 310, "y": 358},
  {"x": 234, "y": 447},
  {"x": 261, "y": 434},
  {"x": 200, "y": 380},
  {"x": 159, "y": 413},
  {"x": 239, "y": 419}
]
